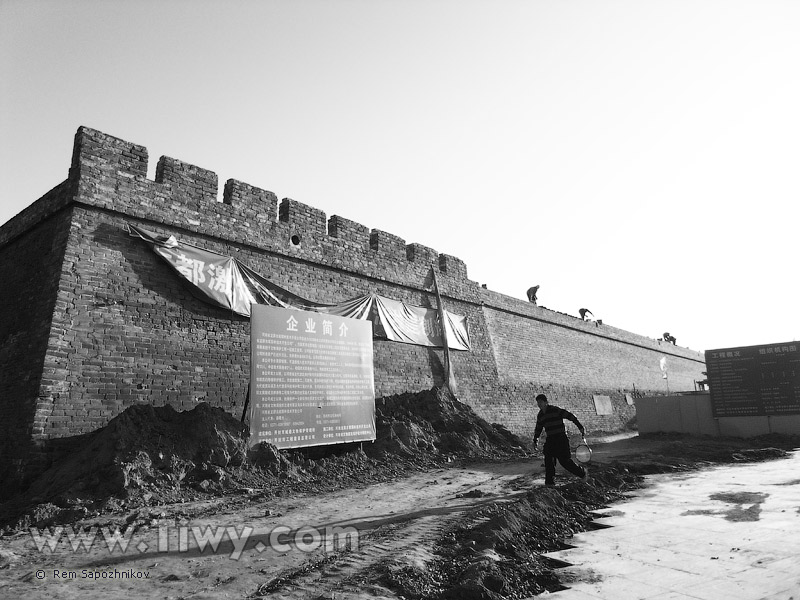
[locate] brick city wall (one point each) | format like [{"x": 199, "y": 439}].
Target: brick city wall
[
  {"x": 106, "y": 324},
  {"x": 572, "y": 360},
  {"x": 30, "y": 268}
]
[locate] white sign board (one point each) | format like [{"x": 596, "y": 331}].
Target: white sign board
[
  {"x": 602, "y": 404},
  {"x": 311, "y": 378}
]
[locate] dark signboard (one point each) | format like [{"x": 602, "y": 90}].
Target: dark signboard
[
  {"x": 755, "y": 380},
  {"x": 311, "y": 378}
]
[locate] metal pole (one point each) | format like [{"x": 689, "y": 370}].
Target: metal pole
[{"x": 246, "y": 403}]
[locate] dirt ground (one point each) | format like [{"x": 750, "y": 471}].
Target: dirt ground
[{"x": 443, "y": 505}]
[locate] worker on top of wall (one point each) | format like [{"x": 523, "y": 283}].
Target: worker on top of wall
[
  {"x": 532, "y": 294},
  {"x": 556, "y": 446}
]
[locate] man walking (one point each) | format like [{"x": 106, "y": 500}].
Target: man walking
[{"x": 556, "y": 446}]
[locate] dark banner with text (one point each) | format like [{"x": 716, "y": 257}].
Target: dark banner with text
[{"x": 755, "y": 380}]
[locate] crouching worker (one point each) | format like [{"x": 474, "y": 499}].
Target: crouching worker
[{"x": 556, "y": 446}]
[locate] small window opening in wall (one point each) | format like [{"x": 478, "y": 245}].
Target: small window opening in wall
[{"x": 295, "y": 239}]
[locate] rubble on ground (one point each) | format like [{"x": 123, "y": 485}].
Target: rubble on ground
[
  {"x": 496, "y": 552},
  {"x": 151, "y": 463},
  {"x": 435, "y": 423},
  {"x": 150, "y": 455}
]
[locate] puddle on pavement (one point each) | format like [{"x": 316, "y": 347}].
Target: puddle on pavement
[
  {"x": 740, "y": 497},
  {"x": 737, "y": 512},
  {"x": 573, "y": 575}
]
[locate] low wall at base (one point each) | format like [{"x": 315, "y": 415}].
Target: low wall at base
[{"x": 692, "y": 414}]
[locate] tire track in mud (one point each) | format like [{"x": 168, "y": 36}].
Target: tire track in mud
[{"x": 409, "y": 543}]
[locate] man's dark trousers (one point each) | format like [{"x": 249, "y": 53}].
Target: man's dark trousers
[{"x": 556, "y": 447}]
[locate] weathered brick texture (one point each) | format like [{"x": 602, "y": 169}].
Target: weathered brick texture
[
  {"x": 30, "y": 268},
  {"x": 93, "y": 321}
]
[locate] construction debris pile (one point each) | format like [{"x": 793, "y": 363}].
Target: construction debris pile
[
  {"x": 152, "y": 465},
  {"x": 151, "y": 455},
  {"x": 496, "y": 553},
  {"x": 434, "y": 423}
]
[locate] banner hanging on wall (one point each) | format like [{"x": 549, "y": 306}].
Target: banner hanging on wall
[
  {"x": 226, "y": 282},
  {"x": 312, "y": 380}
]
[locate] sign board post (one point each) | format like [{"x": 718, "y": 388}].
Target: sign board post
[
  {"x": 311, "y": 378},
  {"x": 754, "y": 380}
]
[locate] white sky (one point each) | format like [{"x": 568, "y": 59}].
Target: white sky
[{"x": 636, "y": 158}]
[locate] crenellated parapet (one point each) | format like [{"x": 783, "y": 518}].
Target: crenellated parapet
[{"x": 111, "y": 173}]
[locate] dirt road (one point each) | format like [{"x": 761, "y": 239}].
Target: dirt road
[
  {"x": 396, "y": 522},
  {"x": 349, "y": 543}
]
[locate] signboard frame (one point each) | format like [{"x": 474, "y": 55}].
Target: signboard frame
[
  {"x": 311, "y": 378},
  {"x": 754, "y": 380}
]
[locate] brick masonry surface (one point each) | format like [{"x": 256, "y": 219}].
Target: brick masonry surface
[{"x": 93, "y": 321}]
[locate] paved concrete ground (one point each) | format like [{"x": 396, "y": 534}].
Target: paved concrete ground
[{"x": 726, "y": 533}]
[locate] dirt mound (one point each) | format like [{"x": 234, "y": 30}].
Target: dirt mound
[
  {"x": 145, "y": 453},
  {"x": 497, "y": 552},
  {"x": 147, "y": 448},
  {"x": 434, "y": 422},
  {"x": 156, "y": 455}
]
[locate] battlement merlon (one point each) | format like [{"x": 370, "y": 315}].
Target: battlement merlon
[
  {"x": 110, "y": 173},
  {"x": 452, "y": 266},
  {"x": 303, "y": 217},
  {"x": 253, "y": 202},
  {"x": 349, "y": 232},
  {"x": 98, "y": 152},
  {"x": 190, "y": 183}
]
